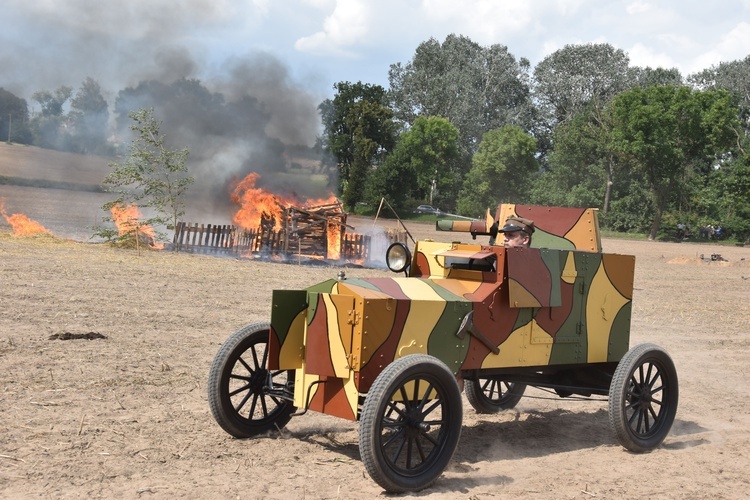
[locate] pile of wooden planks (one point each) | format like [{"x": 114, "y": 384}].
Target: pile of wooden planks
[{"x": 315, "y": 231}]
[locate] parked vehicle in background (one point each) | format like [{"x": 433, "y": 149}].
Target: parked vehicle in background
[{"x": 427, "y": 209}]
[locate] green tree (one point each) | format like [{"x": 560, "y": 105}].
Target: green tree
[
  {"x": 576, "y": 174},
  {"x": 431, "y": 145},
  {"x": 393, "y": 180},
  {"x": 503, "y": 171},
  {"x": 648, "y": 77},
  {"x": 358, "y": 132},
  {"x": 730, "y": 189},
  {"x": 584, "y": 166},
  {"x": 152, "y": 177},
  {"x": 14, "y": 118},
  {"x": 666, "y": 131},
  {"x": 421, "y": 167},
  {"x": 577, "y": 79},
  {"x": 89, "y": 116},
  {"x": 734, "y": 77},
  {"x": 476, "y": 88}
]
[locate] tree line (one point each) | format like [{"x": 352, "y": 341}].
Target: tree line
[
  {"x": 82, "y": 129},
  {"x": 465, "y": 127}
]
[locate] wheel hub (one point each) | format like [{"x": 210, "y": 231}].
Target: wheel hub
[
  {"x": 414, "y": 423},
  {"x": 645, "y": 397},
  {"x": 258, "y": 381}
]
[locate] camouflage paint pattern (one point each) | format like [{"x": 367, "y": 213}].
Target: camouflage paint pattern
[
  {"x": 556, "y": 227},
  {"x": 537, "y": 306}
]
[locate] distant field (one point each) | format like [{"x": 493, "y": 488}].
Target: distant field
[{"x": 29, "y": 162}]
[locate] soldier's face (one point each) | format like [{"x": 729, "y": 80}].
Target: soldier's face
[{"x": 515, "y": 239}]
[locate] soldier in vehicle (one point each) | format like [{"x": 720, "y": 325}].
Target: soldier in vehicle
[{"x": 517, "y": 232}]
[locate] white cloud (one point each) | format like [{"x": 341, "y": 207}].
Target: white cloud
[
  {"x": 677, "y": 42},
  {"x": 484, "y": 21},
  {"x": 733, "y": 45},
  {"x": 344, "y": 28},
  {"x": 640, "y": 55}
]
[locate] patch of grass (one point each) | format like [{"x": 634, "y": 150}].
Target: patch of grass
[{"x": 616, "y": 235}]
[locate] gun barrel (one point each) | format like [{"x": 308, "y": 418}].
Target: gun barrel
[{"x": 463, "y": 226}]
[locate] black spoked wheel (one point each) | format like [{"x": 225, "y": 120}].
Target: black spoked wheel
[
  {"x": 491, "y": 395},
  {"x": 643, "y": 398},
  {"x": 410, "y": 424},
  {"x": 237, "y": 385}
]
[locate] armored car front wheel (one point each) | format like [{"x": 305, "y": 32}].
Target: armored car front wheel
[
  {"x": 238, "y": 385},
  {"x": 643, "y": 398},
  {"x": 491, "y": 395},
  {"x": 410, "y": 423}
]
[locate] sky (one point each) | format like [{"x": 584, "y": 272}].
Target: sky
[{"x": 315, "y": 43}]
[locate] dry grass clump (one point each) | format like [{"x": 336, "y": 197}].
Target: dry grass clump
[
  {"x": 132, "y": 242},
  {"x": 38, "y": 238}
]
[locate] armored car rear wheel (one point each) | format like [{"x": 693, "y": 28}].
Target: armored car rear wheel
[
  {"x": 491, "y": 395},
  {"x": 410, "y": 424},
  {"x": 238, "y": 382},
  {"x": 643, "y": 398}
]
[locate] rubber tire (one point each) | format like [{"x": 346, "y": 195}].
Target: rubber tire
[
  {"x": 275, "y": 413},
  {"x": 627, "y": 405},
  {"x": 484, "y": 403},
  {"x": 374, "y": 439}
]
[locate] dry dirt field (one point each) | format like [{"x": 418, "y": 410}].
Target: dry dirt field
[{"x": 125, "y": 414}]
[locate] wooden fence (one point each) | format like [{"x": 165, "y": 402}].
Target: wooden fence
[
  {"x": 355, "y": 247},
  {"x": 213, "y": 238},
  {"x": 233, "y": 241}
]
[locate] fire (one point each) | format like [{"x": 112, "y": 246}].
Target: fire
[
  {"x": 126, "y": 218},
  {"x": 22, "y": 225},
  {"x": 321, "y": 201},
  {"x": 334, "y": 241},
  {"x": 255, "y": 203},
  {"x": 258, "y": 204}
]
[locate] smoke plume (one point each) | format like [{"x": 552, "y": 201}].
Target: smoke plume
[{"x": 235, "y": 112}]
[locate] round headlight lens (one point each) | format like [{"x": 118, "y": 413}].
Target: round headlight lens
[{"x": 397, "y": 257}]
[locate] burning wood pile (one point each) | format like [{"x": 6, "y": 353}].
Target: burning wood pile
[
  {"x": 270, "y": 225},
  {"x": 313, "y": 231}
]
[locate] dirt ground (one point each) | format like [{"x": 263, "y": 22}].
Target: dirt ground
[{"x": 126, "y": 415}]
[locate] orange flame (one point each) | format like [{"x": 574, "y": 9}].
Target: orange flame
[
  {"x": 22, "y": 225},
  {"x": 126, "y": 218},
  {"x": 334, "y": 241},
  {"x": 321, "y": 201},
  {"x": 255, "y": 203}
]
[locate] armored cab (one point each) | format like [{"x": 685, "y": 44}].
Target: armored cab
[{"x": 394, "y": 352}]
